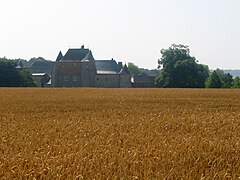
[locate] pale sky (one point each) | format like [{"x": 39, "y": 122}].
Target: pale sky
[{"x": 126, "y": 30}]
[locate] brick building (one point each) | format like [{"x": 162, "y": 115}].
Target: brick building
[{"x": 78, "y": 68}]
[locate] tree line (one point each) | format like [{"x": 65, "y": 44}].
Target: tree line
[
  {"x": 15, "y": 72},
  {"x": 13, "y": 76},
  {"x": 178, "y": 69},
  {"x": 23, "y": 62}
]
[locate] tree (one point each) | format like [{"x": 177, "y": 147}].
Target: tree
[
  {"x": 13, "y": 77},
  {"x": 9, "y": 75},
  {"x": 21, "y": 62},
  {"x": 219, "y": 79},
  {"x": 214, "y": 80},
  {"x": 180, "y": 70},
  {"x": 236, "y": 82},
  {"x": 133, "y": 69},
  {"x": 227, "y": 80},
  {"x": 28, "y": 80}
]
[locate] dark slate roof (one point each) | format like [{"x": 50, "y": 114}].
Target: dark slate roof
[
  {"x": 107, "y": 67},
  {"x": 125, "y": 70},
  {"x": 60, "y": 56},
  {"x": 89, "y": 56},
  {"x": 75, "y": 54},
  {"x": 40, "y": 66}
]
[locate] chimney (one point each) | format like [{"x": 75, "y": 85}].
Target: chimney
[
  {"x": 82, "y": 47},
  {"x": 120, "y": 64}
]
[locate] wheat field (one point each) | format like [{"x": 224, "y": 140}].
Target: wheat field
[{"x": 119, "y": 133}]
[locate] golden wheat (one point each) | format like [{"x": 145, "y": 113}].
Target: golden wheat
[{"x": 119, "y": 134}]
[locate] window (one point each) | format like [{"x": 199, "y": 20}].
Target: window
[
  {"x": 66, "y": 77},
  {"x": 74, "y": 78},
  {"x": 74, "y": 64},
  {"x": 106, "y": 79}
]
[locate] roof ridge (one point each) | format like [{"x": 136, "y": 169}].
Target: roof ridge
[
  {"x": 89, "y": 56},
  {"x": 124, "y": 70},
  {"x": 60, "y": 56},
  {"x": 75, "y": 54}
]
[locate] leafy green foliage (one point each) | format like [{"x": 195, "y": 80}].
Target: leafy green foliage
[
  {"x": 219, "y": 79},
  {"x": 135, "y": 70},
  {"x": 180, "y": 70},
  {"x": 22, "y": 62},
  {"x": 236, "y": 82},
  {"x": 28, "y": 80},
  {"x": 214, "y": 81},
  {"x": 10, "y": 76}
]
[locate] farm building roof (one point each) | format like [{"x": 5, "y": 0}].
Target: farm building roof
[
  {"x": 38, "y": 74},
  {"x": 60, "y": 56},
  {"x": 89, "y": 56},
  {"x": 125, "y": 70},
  {"x": 78, "y": 54},
  {"x": 40, "y": 66},
  {"x": 102, "y": 66},
  {"x": 107, "y": 67}
]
